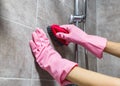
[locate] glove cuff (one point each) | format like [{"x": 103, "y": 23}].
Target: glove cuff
[{"x": 95, "y": 45}]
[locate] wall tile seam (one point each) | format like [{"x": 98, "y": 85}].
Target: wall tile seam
[
  {"x": 43, "y": 80},
  {"x": 70, "y": 7},
  {"x": 37, "y": 2},
  {"x": 11, "y": 21},
  {"x": 46, "y": 12},
  {"x": 37, "y": 13},
  {"x": 3, "y": 78},
  {"x": 31, "y": 76}
]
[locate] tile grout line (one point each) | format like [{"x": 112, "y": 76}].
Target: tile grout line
[
  {"x": 35, "y": 27},
  {"x": 15, "y": 22},
  {"x": 31, "y": 76},
  {"x": 46, "y": 9},
  {"x": 14, "y": 78},
  {"x": 36, "y": 13},
  {"x": 24, "y": 79}
]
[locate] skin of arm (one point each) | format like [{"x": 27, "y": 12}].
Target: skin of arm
[
  {"x": 112, "y": 48},
  {"x": 83, "y": 77}
]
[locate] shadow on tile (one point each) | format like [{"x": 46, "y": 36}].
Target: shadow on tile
[
  {"x": 39, "y": 73},
  {"x": 44, "y": 77}
]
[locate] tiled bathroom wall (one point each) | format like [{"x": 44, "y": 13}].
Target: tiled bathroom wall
[{"x": 18, "y": 19}]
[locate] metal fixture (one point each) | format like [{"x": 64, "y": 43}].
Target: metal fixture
[{"x": 76, "y": 19}]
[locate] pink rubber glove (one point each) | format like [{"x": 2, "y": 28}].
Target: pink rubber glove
[
  {"x": 48, "y": 59},
  {"x": 94, "y": 44}
]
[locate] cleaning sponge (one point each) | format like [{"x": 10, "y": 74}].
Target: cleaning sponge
[{"x": 53, "y": 29}]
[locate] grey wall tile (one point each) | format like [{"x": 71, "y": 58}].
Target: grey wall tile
[
  {"x": 91, "y": 17},
  {"x": 39, "y": 73},
  {"x": 108, "y": 19},
  {"x": 23, "y": 11},
  {"x": 10, "y": 82},
  {"x": 109, "y": 65},
  {"x": 15, "y": 55},
  {"x": 69, "y": 3},
  {"x": 44, "y": 83},
  {"x": 55, "y": 11}
]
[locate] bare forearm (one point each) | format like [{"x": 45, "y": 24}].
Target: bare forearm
[
  {"x": 83, "y": 77},
  {"x": 113, "y": 48}
]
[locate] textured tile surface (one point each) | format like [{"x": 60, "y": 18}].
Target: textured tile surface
[
  {"x": 44, "y": 83},
  {"x": 55, "y": 11},
  {"x": 108, "y": 20},
  {"x": 39, "y": 73},
  {"x": 15, "y": 54},
  {"x": 8, "y": 82},
  {"x": 23, "y": 11}
]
